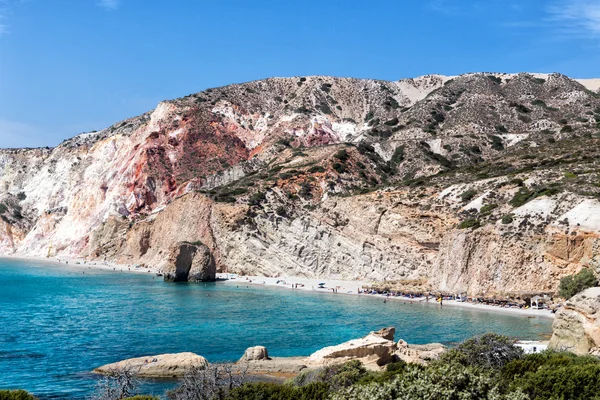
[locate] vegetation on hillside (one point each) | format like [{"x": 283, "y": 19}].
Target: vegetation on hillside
[{"x": 573, "y": 284}]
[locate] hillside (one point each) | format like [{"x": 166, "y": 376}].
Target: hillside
[{"x": 484, "y": 182}]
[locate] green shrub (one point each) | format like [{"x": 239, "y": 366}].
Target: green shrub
[
  {"x": 501, "y": 129},
  {"x": 391, "y": 103},
  {"x": 315, "y": 169},
  {"x": 521, "y": 197},
  {"x": 469, "y": 223},
  {"x": 274, "y": 391},
  {"x": 489, "y": 351},
  {"x": 16, "y": 395},
  {"x": 554, "y": 375},
  {"x": 339, "y": 168},
  {"x": 326, "y": 87},
  {"x": 539, "y": 103},
  {"x": 495, "y": 79},
  {"x": 3, "y": 208},
  {"x": 468, "y": 194},
  {"x": 507, "y": 219},
  {"x": 488, "y": 208},
  {"x": 442, "y": 382},
  {"x": 398, "y": 156},
  {"x": 336, "y": 376},
  {"x": 520, "y": 108},
  {"x": 392, "y": 122},
  {"x": 566, "y": 129},
  {"x": 573, "y": 284},
  {"x": 497, "y": 143},
  {"x": 257, "y": 198},
  {"x": 570, "y": 175},
  {"x": 342, "y": 155},
  {"x": 325, "y": 108}
]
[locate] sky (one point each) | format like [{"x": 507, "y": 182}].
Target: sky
[{"x": 73, "y": 66}]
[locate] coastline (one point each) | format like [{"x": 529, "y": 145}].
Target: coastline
[
  {"x": 81, "y": 263},
  {"x": 351, "y": 288},
  {"x": 344, "y": 287}
]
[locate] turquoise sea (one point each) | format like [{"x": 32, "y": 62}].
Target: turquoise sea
[{"x": 58, "y": 323}]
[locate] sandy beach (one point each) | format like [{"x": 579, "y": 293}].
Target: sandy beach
[
  {"x": 84, "y": 264},
  {"x": 341, "y": 287},
  {"x": 352, "y": 288}
]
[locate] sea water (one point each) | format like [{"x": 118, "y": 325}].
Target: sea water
[{"x": 59, "y": 322}]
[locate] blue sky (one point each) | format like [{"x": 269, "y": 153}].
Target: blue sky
[{"x": 69, "y": 66}]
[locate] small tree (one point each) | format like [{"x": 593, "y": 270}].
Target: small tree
[
  {"x": 573, "y": 284},
  {"x": 210, "y": 383},
  {"x": 118, "y": 384}
]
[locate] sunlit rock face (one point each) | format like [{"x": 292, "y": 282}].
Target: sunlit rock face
[
  {"x": 482, "y": 182},
  {"x": 577, "y": 326}
]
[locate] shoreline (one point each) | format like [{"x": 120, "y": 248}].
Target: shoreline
[
  {"x": 351, "y": 288},
  {"x": 81, "y": 263},
  {"x": 343, "y": 287}
]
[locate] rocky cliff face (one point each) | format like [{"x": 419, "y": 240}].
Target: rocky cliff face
[
  {"x": 577, "y": 326},
  {"x": 483, "y": 182}
]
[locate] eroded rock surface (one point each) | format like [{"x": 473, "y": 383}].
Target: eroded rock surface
[
  {"x": 420, "y": 354},
  {"x": 576, "y": 327},
  {"x": 191, "y": 262},
  {"x": 373, "y": 351},
  {"x": 255, "y": 353},
  {"x": 159, "y": 366}
]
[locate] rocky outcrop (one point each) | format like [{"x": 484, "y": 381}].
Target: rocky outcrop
[
  {"x": 373, "y": 351},
  {"x": 256, "y": 353},
  {"x": 386, "y": 333},
  {"x": 189, "y": 262},
  {"x": 576, "y": 327},
  {"x": 419, "y": 353},
  {"x": 159, "y": 366}
]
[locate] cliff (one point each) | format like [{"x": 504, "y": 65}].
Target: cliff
[{"x": 484, "y": 182}]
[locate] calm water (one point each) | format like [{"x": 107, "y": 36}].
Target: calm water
[{"x": 57, "y": 324}]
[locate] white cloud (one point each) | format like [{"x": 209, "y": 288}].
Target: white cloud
[
  {"x": 109, "y": 4},
  {"x": 576, "y": 18},
  {"x": 4, "y": 10}
]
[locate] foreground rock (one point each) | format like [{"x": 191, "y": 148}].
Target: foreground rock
[
  {"x": 160, "y": 366},
  {"x": 256, "y": 353},
  {"x": 191, "y": 262},
  {"x": 373, "y": 351},
  {"x": 576, "y": 327},
  {"x": 419, "y": 353}
]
